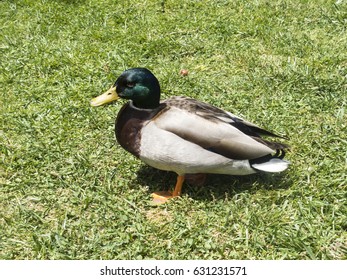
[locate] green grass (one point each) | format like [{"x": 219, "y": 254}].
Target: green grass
[{"x": 68, "y": 191}]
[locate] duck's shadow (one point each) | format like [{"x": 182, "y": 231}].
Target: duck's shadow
[{"x": 215, "y": 186}]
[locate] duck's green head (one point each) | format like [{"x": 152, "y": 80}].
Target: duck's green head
[{"x": 136, "y": 84}]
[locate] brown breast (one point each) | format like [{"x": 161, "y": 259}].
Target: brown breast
[{"x": 129, "y": 123}]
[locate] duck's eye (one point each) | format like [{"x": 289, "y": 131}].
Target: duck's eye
[{"x": 130, "y": 85}]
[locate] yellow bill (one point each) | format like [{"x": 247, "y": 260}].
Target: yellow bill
[{"x": 107, "y": 97}]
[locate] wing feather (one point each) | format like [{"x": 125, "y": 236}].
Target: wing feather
[{"x": 201, "y": 124}]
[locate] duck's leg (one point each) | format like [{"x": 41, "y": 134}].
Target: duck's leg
[
  {"x": 197, "y": 179},
  {"x": 178, "y": 187},
  {"x": 163, "y": 196}
]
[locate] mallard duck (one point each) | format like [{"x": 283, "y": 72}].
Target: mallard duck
[{"x": 187, "y": 136}]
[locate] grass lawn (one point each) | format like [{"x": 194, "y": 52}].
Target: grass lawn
[{"x": 69, "y": 191}]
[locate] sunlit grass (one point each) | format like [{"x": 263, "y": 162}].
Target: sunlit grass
[{"x": 68, "y": 191}]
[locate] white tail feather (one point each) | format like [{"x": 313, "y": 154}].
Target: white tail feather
[{"x": 273, "y": 165}]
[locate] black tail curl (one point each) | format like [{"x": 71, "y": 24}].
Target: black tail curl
[{"x": 280, "y": 153}]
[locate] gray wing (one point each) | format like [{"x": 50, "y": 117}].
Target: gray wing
[{"x": 210, "y": 128}]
